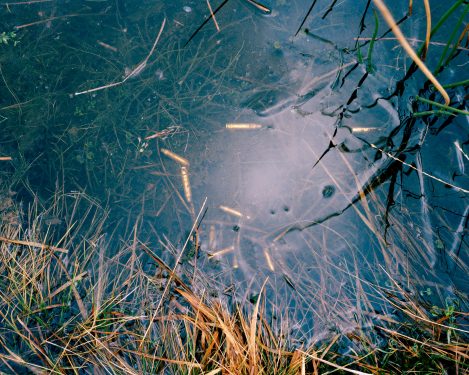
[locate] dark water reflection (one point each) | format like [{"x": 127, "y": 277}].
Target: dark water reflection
[{"x": 282, "y": 198}]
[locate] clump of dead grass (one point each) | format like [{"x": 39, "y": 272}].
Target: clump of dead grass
[{"x": 70, "y": 305}]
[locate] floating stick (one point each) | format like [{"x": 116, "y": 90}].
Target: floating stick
[
  {"x": 179, "y": 159},
  {"x": 186, "y": 184},
  {"x": 232, "y": 211},
  {"x": 243, "y": 126},
  {"x": 5, "y": 158}
]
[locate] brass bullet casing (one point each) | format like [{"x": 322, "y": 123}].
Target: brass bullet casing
[
  {"x": 243, "y": 126},
  {"x": 186, "y": 184},
  {"x": 178, "y": 159}
]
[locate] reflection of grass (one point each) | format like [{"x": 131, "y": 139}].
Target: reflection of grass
[{"x": 87, "y": 310}]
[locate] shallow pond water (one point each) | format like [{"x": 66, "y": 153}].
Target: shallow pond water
[{"x": 291, "y": 142}]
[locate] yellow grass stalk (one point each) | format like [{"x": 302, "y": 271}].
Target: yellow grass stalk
[
  {"x": 81, "y": 305},
  {"x": 429, "y": 28},
  {"x": 162, "y": 359},
  {"x": 34, "y": 368},
  {"x": 172, "y": 275},
  {"x": 295, "y": 362},
  {"x": 252, "y": 333},
  {"x": 214, "y": 372},
  {"x": 67, "y": 284},
  {"x": 338, "y": 367},
  {"x": 438, "y": 348},
  {"x": 33, "y": 244},
  {"x": 402, "y": 40}
]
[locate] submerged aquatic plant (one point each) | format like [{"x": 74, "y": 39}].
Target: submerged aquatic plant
[{"x": 9, "y": 37}]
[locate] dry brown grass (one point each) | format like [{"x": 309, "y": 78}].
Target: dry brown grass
[{"x": 77, "y": 307}]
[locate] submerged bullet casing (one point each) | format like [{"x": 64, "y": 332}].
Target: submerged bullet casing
[
  {"x": 179, "y": 159},
  {"x": 232, "y": 211},
  {"x": 226, "y": 250},
  {"x": 243, "y": 126},
  {"x": 186, "y": 184}
]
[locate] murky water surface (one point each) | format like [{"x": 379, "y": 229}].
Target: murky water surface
[{"x": 283, "y": 145}]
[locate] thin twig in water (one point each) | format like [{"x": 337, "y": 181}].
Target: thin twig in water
[
  {"x": 134, "y": 72},
  {"x": 414, "y": 40},
  {"x": 306, "y": 16},
  {"x": 259, "y": 6},
  {"x": 423, "y": 172},
  {"x": 26, "y": 2},
  {"x": 456, "y": 143},
  {"x": 51, "y": 19},
  {"x": 338, "y": 367},
  {"x": 213, "y": 16},
  {"x": 405, "y": 44},
  {"x": 203, "y": 23}
]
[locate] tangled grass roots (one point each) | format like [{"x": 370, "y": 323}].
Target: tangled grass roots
[{"x": 68, "y": 308}]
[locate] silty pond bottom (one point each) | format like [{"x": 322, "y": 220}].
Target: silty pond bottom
[{"x": 295, "y": 147}]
